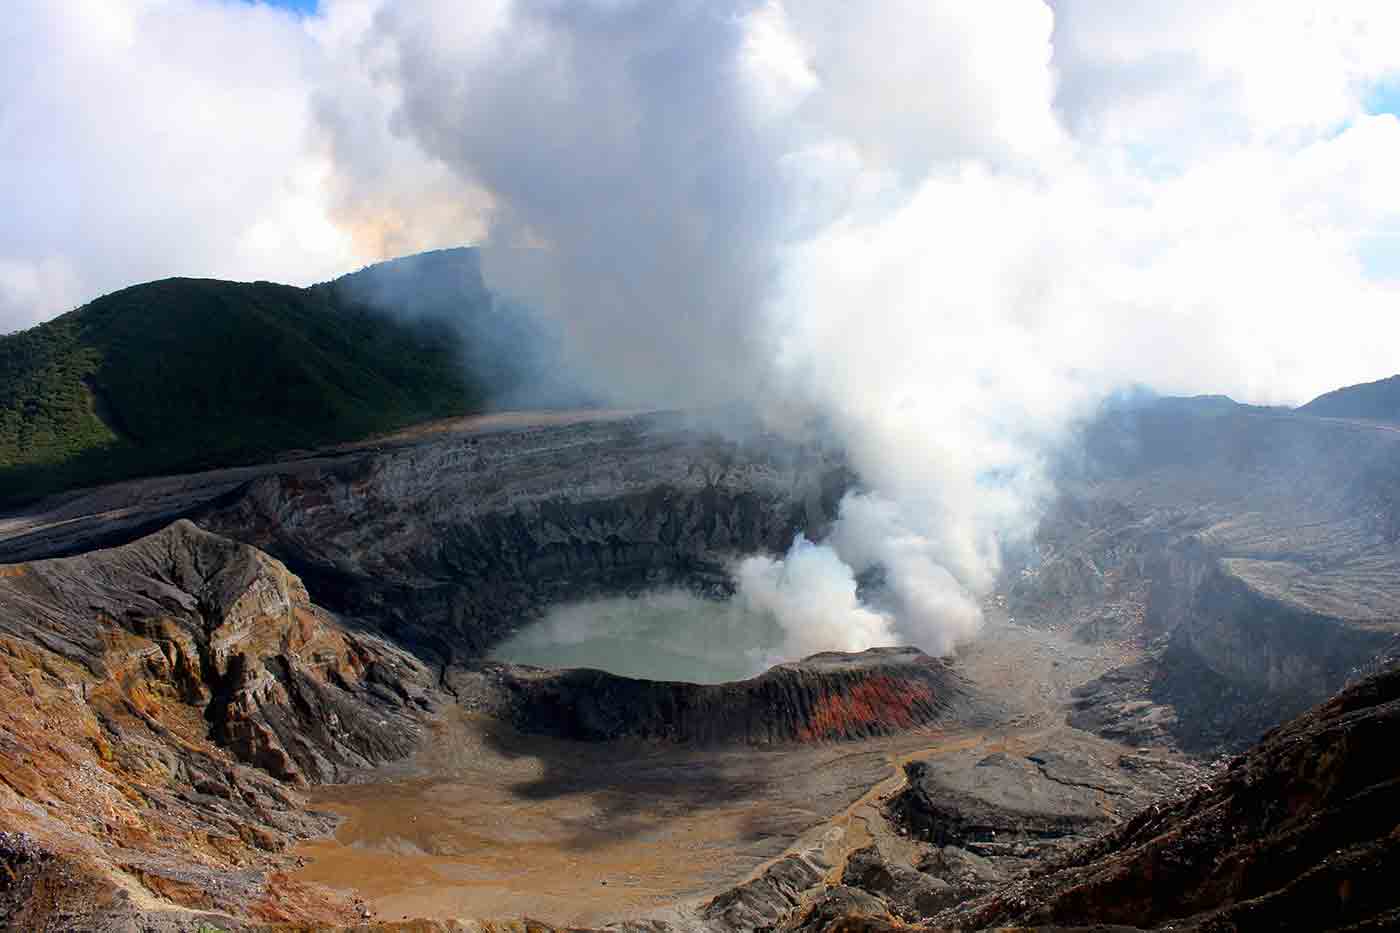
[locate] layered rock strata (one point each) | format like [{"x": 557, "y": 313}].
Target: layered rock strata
[
  {"x": 160, "y": 705},
  {"x": 448, "y": 546}
]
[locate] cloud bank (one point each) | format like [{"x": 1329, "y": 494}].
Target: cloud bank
[{"x": 946, "y": 228}]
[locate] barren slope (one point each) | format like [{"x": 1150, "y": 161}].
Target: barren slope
[
  {"x": 1259, "y": 554},
  {"x": 164, "y": 704}
]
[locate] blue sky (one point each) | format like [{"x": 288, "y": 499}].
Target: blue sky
[
  {"x": 1380, "y": 254},
  {"x": 300, "y": 6},
  {"x": 1385, "y": 98}
]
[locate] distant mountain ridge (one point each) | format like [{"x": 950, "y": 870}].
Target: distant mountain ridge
[
  {"x": 1374, "y": 401},
  {"x": 185, "y": 374},
  {"x": 1371, "y": 401}
]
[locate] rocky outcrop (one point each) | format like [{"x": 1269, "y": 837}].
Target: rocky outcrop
[
  {"x": 1241, "y": 660},
  {"x": 160, "y": 704},
  {"x": 1298, "y": 834},
  {"x": 1005, "y": 812},
  {"x": 767, "y": 899},
  {"x": 1248, "y": 634},
  {"x": 905, "y": 891},
  {"x": 825, "y": 697},
  {"x": 217, "y": 627},
  {"x": 1008, "y": 805}
]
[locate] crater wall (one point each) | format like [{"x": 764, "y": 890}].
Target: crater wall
[{"x": 447, "y": 547}]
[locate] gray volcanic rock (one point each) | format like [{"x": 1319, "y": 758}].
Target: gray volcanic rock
[
  {"x": 1005, "y": 806},
  {"x": 837, "y": 905},
  {"x": 1298, "y": 834},
  {"x": 827, "y": 696},
  {"x": 912, "y": 894},
  {"x": 1253, "y": 552},
  {"x": 447, "y": 546},
  {"x": 768, "y": 898},
  {"x": 994, "y": 818}
]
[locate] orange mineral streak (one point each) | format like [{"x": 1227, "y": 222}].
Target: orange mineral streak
[{"x": 876, "y": 705}]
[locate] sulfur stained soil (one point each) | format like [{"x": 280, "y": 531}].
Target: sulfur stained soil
[{"x": 489, "y": 824}]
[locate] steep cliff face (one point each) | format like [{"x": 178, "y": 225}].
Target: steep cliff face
[
  {"x": 1258, "y": 639},
  {"x": 445, "y": 547},
  {"x": 160, "y": 704}
]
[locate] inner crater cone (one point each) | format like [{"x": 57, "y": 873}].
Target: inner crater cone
[{"x": 825, "y": 697}]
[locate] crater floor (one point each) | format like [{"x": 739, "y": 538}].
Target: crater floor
[{"x": 487, "y": 823}]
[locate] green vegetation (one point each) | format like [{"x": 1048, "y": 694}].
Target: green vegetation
[{"x": 188, "y": 374}]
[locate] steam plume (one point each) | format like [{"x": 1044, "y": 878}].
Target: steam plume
[{"x": 881, "y": 214}]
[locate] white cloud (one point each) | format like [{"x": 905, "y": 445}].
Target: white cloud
[
  {"x": 1183, "y": 77},
  {"x": 149, "y": 139},
  {"x": 914, "y": 83},
  {"x": 153, "y": 138}
]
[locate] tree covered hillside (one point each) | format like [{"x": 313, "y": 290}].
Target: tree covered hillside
[{"x": 185, "y": 374}]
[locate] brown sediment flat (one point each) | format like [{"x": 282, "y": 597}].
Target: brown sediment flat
[{"x": 493, "y": 824}]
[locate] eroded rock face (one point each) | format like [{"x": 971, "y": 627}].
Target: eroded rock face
[
  {"x": 161, "y": 702},
  {"x": 910, "y": 893},
  {"x": 1006, "y": 805},
  {"x": 229, "y": 632},
  {"x": 446, "y": 547},
  {"x": 770, "y": 897}
]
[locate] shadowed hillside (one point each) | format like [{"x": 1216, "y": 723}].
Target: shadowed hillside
[{"x": 1376, "y": 401}]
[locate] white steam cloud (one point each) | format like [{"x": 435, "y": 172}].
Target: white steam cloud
[
  {"x": 812, "y": 594},
  {"x": 947, "y": 228}
]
